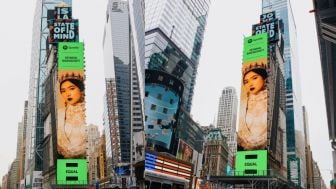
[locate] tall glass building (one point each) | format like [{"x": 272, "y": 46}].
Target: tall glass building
[
  {"x": 123, "y": 44},
  {"x": 38, "y": 73},
  {"x": 294, "y": 115},
  {"x": 174, "y": 35},
  {"x": 227, "y": 119}
]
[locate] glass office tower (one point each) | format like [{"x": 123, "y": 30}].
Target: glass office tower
[
  {"x": 294, "y": 118},
  {"x": 35, "y": 128},
  {"x": 174, "y": 35},
  {"x": 123, "y": 44}
]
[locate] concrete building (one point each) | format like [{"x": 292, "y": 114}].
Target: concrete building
[
  {"x": 92, "y": 153},
  {"x": 4, "y": 183},
  {"x": 216, "y": 154},
  {"x": 308, "y": 152},
  {"x": 102, "y": 158},
  {"x": 227, "y": 119}
]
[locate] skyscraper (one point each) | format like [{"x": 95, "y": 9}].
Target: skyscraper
[
  {"x": 123, "y": 44},
  {"x": 226, "y": 120},
  {"x": 325, "y": 16},
  {"x": 294, "y": 116},
  {"x": 35, "y": 127},
  {"x": 174, "y": 35},
  {"x": 173, "y": 41}
]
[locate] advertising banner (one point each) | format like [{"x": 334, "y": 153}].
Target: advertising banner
[
  {"x": 184, "y": 152},
  {"x": 71, "y": 172},
  {"x": 252, "y": 131},
  {"x": 70, "y": 56},
  {"x": 270, "y": 27},
  {"x": 251, "y": 163},
  {"x": 63, "y": 13},
  {"x": 63, "y": 31},
  {"x": 71, "y": 122},
  {"x": 267, "y": 17},
  {"x": 168, "y": 167},
  {"x": 255, "y": 47}
]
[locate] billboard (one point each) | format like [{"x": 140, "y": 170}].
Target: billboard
[
  {"x": 251, "y": 163},
  {"x": 255, "y": 47},
  {"x": 184, "y": 152},
  {"x": 63, "y": 13},
  {"x": 71, "y": 122},
  {"x": 267, "y": 17},
  {"x": 63, "y": 30},
  {"x": 271, "y": 27},
  {"x": 71, "y": 172},
  {"x": 166, "y": 166},
  {"x": 252, "y": 131},
  {"x": 70, "y": 55}
]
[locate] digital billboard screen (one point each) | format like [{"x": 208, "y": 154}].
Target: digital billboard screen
[
  {"x": 63, "y": 30},
  {"x": 71, "y": 172},
  {"x": 251, "y": 163},
  {"x": 255, "y": 47},
  {"x": 252, "y": 130},
  {"x": 184, "y": 152},
  {"x": 159, "y": 164},
  {"x": 70, "y": 56},
  {"x": 71, "y": 118}
]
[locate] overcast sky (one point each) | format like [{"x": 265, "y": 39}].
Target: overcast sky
[{"x": 220, "y": 65}]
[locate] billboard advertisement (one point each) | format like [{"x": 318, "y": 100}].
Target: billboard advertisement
[
  {"x": 71, "y": 122},
  {"x": 167, "y": 167},
  {"x": 70, "y": 56},
  {"x": 63, "y": 12},
  {"x": 251, "y": 163},
  {"x": 270, "y": 27},
  {"x": 63, "y": 30},
  {"x": 71, "y": 171},
  {"x": 255, "y": 47},
  {"x": 162, "y": 101},
  {"x": 252, "y": 131},
  {"x": 184, "y": 152}
]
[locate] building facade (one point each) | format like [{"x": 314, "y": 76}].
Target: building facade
[
  {"x": 174, "y": 35},
  {"x": 92, "y": 153},
  {"x": 227, "y": 119},
  {"x": 35, "y": 127},
  {"x": 216, "y": 153},
  {"x": 325, "y": 16},
  {"x": 294, "y": 120},
  {"x": 123, "y": 44}
]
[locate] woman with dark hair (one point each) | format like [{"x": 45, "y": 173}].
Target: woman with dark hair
[
  {"x": 252, "y": 133},
  {"x": 71, "y": 132}
]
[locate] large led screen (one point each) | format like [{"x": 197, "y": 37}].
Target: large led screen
[
  {"x": 161, "y": 106},
  {"x": 252, "y": 131},
  {"x": 184, "y": 152},
  {"x": 255, "y": 47},
  {"x": 70, "y": 56},
  {"x": 71, "y": 119},
  {"x": 71, "y": 172},
  {"x": 251, "y": 163}
]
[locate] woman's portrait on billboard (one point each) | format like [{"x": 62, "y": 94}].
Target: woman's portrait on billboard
[
  {"x": 252, "y": 132},
  {"x": 71, "y": 131}
]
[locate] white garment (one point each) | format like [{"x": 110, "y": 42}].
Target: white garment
[
  {"x": 252, "y": 133},
  {"x": 71, "y": 131}
]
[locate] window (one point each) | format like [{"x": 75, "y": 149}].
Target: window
[
  {"x": 153, "y": 107},
  {"x": 171, "y": 101},
  {"x": 165, "y": 110},
  {"x": 159, "y": 121},
  {"x": 159, "y": 96},
  {"x": 146, "y": 94},
  {"x": 150, "y": 126}
]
